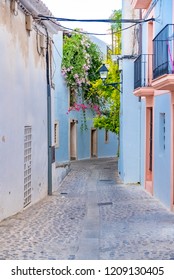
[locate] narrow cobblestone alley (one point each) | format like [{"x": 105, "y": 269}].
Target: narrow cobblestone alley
[{"x": 92, "y": 216}]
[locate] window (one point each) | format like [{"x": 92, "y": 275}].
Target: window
[
  {"x": 72, "y": 97},
  {"x": 106, "y": 136},
  {"x": 56, "y": 134}
]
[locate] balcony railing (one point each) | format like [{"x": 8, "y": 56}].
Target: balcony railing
[
  {"x": 163, "y": 46},
  {"x": 143, "y": 71}
]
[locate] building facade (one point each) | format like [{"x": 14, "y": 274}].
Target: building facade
[
  {"x": 25, "y": 46},
  {"x": 38, "y": 139},
  {"x": 129, "y": 156},
  {"x": 154, "y": 87}
]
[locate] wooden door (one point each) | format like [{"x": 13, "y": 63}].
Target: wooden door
[
  {"x": 93, "y": 142},
  {"x": 73, "y": 141}
]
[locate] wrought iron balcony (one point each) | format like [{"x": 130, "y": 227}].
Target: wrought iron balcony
[
  {"x": 143, "y": 71},
  {"x": 163, "y": 46}
]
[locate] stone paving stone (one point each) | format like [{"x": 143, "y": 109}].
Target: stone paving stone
[{"x": 91, "y": 216}]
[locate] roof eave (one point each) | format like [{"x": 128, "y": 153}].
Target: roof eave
[{"x": 37, "y": 7}]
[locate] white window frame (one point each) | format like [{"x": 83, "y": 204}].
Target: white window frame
[{"x": 56, "y": 134}]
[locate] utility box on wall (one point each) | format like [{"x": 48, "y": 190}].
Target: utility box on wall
[
  {"x": 53, "y": 158},
  {"x": 29, "y": 23}
]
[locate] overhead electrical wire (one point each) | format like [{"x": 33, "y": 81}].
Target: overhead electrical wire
[
  {"x": 79, "y": 31},
  {"x": 51, "y": 19},
  {"x": 97, "y": 20},
  {"x": 89, "y": 33}
]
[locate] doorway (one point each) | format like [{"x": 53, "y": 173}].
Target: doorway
[
  {"x": 93, "y": 142},
  {"x": 149, "y": 150},
  {"x": 73, "y": 140}
]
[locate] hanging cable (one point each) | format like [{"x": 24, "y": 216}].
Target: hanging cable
[
  {"x": 89, "y": 33},
  {"x": 56, "y": 49},
  {"x": 97, "y": 20},
  {"x": 78, "y": 31}
]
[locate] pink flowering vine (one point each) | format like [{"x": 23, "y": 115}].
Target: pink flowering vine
[{"x": 80, "y": 62}]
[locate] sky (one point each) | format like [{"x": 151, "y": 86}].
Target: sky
[{"x": 85, "y": 9}]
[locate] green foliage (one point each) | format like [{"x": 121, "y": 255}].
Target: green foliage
[
  {"x": 109, "y": 118},
  {"x": 116, "y": 31},
  {"x": 116, "y": 15},
  {"x": 81, "y": 59},
  {"x": 80, "y": 64},
  {"x": 109, "y": 101}
]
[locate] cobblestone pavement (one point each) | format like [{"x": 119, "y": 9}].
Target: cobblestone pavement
[{"x": 92, "y": 216}]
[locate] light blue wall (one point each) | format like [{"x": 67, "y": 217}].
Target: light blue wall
[
  {"x": 133, "y": 125},
  {"x": 107, "y": 149},
  {"x": 162, "y": 157},
  {"x": 84, "y": 138},
  {"x": 163, "y": 16},
  {"x": 101, "y": 44},
  {"x": 163, "y": 13},
  {"x": 130, "y": 115},
  {"x": 61, "y": 102}
]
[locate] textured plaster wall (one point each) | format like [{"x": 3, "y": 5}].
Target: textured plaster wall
[
  {"x": 130, "y": 112},
  {"x": 23, "y": 102},
  {"x": 162, "y": 157},
  {"x": 130, "y": 146}
]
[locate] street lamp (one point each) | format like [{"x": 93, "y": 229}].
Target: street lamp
[{"x": 103, "y": 71}]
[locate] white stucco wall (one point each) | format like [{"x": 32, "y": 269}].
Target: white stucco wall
[{"x": 23, "y": 94}]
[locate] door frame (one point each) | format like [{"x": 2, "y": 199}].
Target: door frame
[
  {"x": 91, "y": 142},
  {"x": 74, "y": 122}
]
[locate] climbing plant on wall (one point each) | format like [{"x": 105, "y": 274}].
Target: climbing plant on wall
[
  {"x": 109, "y": 117},
  {"x": 81, "y": 59},
  {"x": 80, "y": 64},
  {"x": 109, "y": 110}
]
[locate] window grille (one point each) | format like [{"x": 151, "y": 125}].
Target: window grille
[
  {"x": 162, "y": 132},
  {"x": 27, "y": 164},
  {"x": 56, "y": 134}
]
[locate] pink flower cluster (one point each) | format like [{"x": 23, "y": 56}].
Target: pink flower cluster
[
  {"x": 66, "y": 70},
  {"x": 86, "y": 67},
  {"x": 96, "y": 109},
  {"x": 77, "y": 107},
  {"x": 79, "y": 81},
  {"x": 85, "y": 43}
]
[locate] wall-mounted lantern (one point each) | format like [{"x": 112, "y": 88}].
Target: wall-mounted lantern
[{"x": 103, "y": 71}]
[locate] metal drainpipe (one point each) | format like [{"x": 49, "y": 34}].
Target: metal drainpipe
[
  {"x": 140, "y": 38},
  {"x": 49, "y": 118},
  {"x": 140, "y": 103}
]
